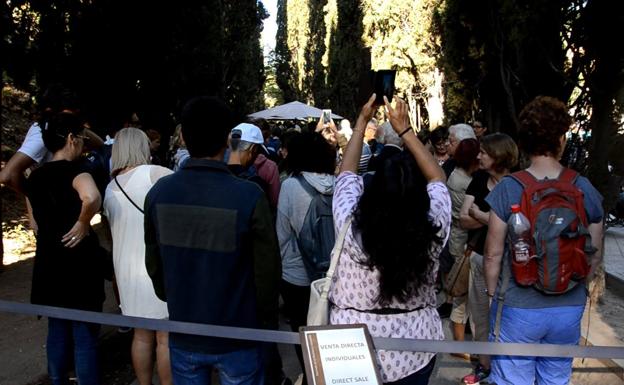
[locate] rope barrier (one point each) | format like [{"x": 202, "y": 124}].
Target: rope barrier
[{"x": 283, "y": 337}]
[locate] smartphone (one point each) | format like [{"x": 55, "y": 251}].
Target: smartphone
[
  {"x": 327, "y": 116},
  {"x": 383, "y": 85}
]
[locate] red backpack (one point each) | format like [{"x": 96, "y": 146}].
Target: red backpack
[{"x": 561, "y": 238}]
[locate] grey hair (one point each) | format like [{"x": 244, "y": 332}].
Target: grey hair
[
  {"x": 462, "y": 131},
  {"x": 245, "y": 145},
  {"x": 389, "y": 135},
  {"x": 130, "y": 149},
  {"x": 240, "y": 145}
]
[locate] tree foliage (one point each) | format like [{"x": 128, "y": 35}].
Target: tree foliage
[
  {"x": 141, "y": 56},
  {"x": 331, "y": 45},
  {"x": 500, "y": 54}
]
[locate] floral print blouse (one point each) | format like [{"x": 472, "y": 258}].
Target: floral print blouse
[{"x": 355, "y": 286}]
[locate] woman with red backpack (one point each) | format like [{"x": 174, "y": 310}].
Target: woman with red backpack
[{"x": 541, "y": 300}]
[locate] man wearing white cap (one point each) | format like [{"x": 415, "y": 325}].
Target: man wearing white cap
[
  {"x": 244, "y": 143},
  {"x": 245, "y": 140}
]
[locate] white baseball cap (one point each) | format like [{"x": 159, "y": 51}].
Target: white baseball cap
[{"x": 249, "y": 133}]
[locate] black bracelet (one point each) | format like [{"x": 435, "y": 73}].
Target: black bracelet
[{"x": 405, "y": 132}]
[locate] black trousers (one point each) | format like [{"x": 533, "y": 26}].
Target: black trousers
[
  {"x": 296, "y": 302},
  {"x": 421, "y": 377}
]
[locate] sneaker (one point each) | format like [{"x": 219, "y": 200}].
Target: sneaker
[{"x": 480, "y": 375}]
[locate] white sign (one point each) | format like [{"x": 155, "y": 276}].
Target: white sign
[{"x": 340, "y": 354}]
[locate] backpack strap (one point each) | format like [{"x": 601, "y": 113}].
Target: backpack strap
[
  {"x": 568, "y": 175},
  {"x": 525, "y": 178},
  {"x": 307, "y": 186}
]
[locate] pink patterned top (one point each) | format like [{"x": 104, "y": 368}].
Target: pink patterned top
[{"x": 356, "y": 287}]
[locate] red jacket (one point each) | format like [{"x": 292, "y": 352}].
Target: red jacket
[{"x": 267, "y": 170}]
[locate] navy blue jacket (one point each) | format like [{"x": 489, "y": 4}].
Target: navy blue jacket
[{"x": 212, "y": 252}]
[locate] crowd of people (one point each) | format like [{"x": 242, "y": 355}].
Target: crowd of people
[{"x": 245, "y": 213}]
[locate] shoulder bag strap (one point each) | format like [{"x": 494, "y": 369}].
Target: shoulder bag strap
[
  {"x": 337, "y": 250},
  {"x": 124, "y": 193},
  {"x": 500, "y": 298}
]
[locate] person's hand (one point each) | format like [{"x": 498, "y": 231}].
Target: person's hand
[
  {"x": 330, "y": 133},
  {"x": 320, "y": 126},
  {"x": 366, "y": 114},
  {"x": 76, "y": 234},
  {"x": 398, "y": 115}
]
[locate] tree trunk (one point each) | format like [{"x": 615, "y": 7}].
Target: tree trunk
[
  {"x": 4, "y": 18},
  {"x": 1, "y": 195}
]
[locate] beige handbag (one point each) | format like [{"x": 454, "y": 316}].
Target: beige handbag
[
  {"x": 456, "y": 284},
  {"x": 318, "y": 311}
]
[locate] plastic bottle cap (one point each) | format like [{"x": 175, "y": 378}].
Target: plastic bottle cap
[{"x": 515, "y": 209}]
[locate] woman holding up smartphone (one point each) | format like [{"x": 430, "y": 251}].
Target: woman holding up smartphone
[{"x": 387, "y": 270}]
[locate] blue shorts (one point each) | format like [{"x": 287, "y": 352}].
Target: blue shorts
[{"x": 555, "y": 325}]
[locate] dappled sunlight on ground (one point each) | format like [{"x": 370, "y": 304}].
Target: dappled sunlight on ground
[{"x": 18, "y": 242}]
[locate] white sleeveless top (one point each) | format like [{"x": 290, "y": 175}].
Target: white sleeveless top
[{"x": 136, "y": 292}]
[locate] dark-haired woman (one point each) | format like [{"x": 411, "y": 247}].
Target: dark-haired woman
[
  {"x": 387, "y": 270},
  {"x": 66, "y": 273},
  {"x": 553, "y": 319},
  {"x": 311, "y": 163},
  {"x": 439, "y": 143},
  {"x": 497, "y": 156}
]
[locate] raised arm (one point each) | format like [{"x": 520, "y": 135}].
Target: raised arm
[
  {"x": 353, "y": 152},
  {"x": 399, "y": 121},
  {"x": 91, "y": 202}
]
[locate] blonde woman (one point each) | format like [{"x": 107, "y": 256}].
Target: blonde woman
[{"x": 133, "y": 177}]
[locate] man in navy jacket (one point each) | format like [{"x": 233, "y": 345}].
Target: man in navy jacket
[{"x": 212, "y": 253}]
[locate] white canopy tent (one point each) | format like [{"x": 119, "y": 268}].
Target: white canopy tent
[{"x": 291, "y": 111}]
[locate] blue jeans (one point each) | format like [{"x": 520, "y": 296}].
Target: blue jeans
[
  {"x": 241, "y": 367},
  {"x": 556, "y": 325},
  {"x": 67, "y": 338}
]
